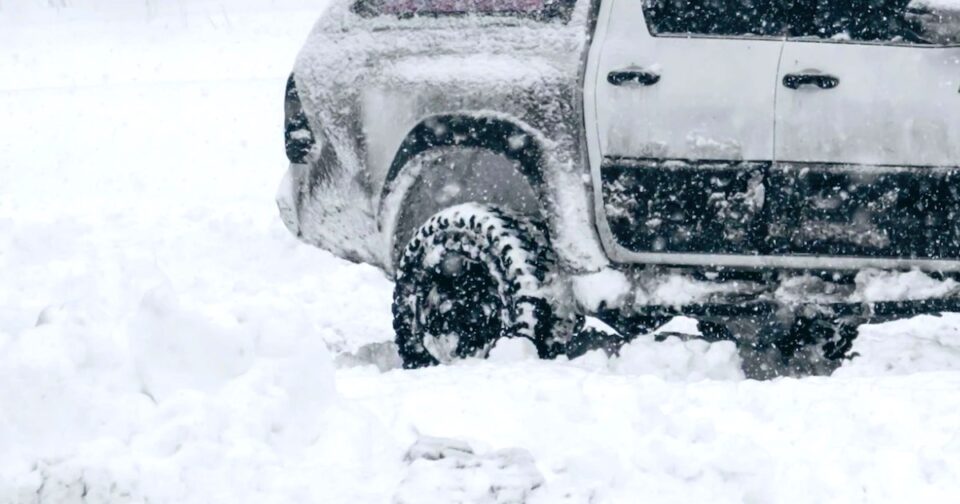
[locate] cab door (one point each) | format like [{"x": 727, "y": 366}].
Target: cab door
[
  {"x": 868, "y": 102},
  {"x": 868, "y": 137},
  {"x": 680, "y": 105}
]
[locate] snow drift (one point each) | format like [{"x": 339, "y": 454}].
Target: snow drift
[{"x": 164, "y": 339}]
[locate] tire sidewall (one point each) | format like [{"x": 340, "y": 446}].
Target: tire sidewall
[{"x": 515, "y": 252}]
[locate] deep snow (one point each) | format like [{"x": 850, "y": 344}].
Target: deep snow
[{"x": 163, "y": 338}]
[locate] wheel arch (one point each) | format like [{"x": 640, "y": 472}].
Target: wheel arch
[{"x": 501, "y": 135}]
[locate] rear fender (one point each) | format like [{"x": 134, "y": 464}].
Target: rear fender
[{"x": 442, "y": 137}]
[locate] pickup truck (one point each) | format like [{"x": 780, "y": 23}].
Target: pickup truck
[{"x": 781, "y": 171}]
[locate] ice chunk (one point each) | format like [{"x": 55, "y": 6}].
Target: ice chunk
[
  {"x": 607, "y": 286},
  {"x": 513, "y": 350},
  {"x": 449, "y": 471}
]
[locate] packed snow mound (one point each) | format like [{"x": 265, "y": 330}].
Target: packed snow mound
[
  {"x": 448, "y": 470},
  {"x": 179, "y": 406},
  {"x": 921, "y": 344},
  {"x": 677, "y": 360},
  {"x": 163, "y": 338},
  {"x": 513, "y": 350},
  {"x": 607, "y": 287},
  {"x": 875, "y": 286},
  {"x": 176, "y": 349},
  {"x": 605, "y": 438},
  {"x": 672, "y": 352}
]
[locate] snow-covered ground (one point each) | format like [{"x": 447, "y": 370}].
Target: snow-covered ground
[{"x": 163, "y": 338}]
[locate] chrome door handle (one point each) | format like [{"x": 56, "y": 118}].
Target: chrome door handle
[
  {"x": 822, "y": 81},
  {"x": 633, "y": 76}
]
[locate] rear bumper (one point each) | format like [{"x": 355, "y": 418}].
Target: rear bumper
[{"x": 288, "y": 198}]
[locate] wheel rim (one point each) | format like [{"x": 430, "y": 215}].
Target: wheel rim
[{"x": 462, "y": 315}]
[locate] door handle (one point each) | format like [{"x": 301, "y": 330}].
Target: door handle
[
  {"x": 822, "y": 81},
  {"x": 633, "y": 76}
]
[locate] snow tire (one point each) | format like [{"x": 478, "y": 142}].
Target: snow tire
[{"x": 471, "y": 275}]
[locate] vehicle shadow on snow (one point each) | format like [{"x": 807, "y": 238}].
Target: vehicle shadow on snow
[{"x": 682, "y": 349}]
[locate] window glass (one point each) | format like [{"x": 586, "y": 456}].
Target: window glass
[
  {"x": 716, "y": 17},
  {"x": 855, "y": 20},
  {"x": 409, "y": 8}
]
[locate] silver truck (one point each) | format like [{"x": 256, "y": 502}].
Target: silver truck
[{"x": 781, "y": 171}]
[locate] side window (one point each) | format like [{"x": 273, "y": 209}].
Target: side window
[
  {"x": 542, "y": 9},
  {"x": 839, "y": 20},
  {"x": 857, "y": 20},
  {"x": 742, "y": 18}
]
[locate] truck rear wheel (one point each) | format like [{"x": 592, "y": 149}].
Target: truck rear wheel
[{"x": 473, "y": 274}]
